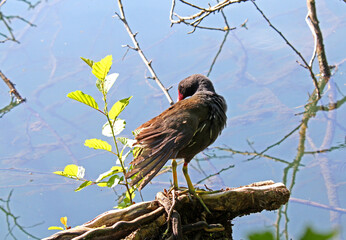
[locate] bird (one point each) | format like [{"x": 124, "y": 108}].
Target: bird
[{"x": 182, "y": 131}]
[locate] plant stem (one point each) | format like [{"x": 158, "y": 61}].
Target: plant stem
[{"x": 115, "y": 143}]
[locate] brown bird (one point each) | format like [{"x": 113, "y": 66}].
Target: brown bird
[{"x": 181, "y": 131}]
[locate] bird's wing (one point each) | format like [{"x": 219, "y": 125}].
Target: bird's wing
[
  {"x": 160, "y": 141},
  {"x": 157, "y": 148}
]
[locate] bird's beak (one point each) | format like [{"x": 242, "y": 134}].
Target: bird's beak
[{"x": 180, "y": 96}]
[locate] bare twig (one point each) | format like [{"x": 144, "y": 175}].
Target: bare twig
[
  {"x": 256, "y": 154},
  {"x": 318, "y": 205},
  {"x": 338, "y": 147},
  {"x": 31, "y": 5},
  {"x": 309, "y": 23},
  {"x": 331, "y": 106},
  {"x": 307, "y": 66},
  {"x": 215, "y": 174},
  {"x": 137, "y": 48},
  {"x": 14, "y": 102},
  {"x": 13, "y": 90},
  {"x": 6, "y": 20},
  {"x": 2, "y": 2},
  {"x": 217, "y": 54},
  {"x": 195, "y": 19},
  {"x": 278, "y": 142},
  {"x": 198, "y": 17},
  {"x": 321, "y": 54},
  {"x": 223, "y": 42}
]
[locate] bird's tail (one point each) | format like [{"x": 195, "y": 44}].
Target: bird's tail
[{"x": 149, "y": 163}]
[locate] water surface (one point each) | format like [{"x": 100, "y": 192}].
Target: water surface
[{"x": 256, "y": 72}]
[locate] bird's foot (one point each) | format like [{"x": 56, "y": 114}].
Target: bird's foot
[
  {"x": 194, "y": 193},
  {"x": 201, "y": 192}
]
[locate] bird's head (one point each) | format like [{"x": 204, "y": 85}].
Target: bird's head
[{"x": 195, "y": 83}]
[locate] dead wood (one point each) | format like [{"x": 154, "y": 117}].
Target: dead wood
[{"x": 148, "y": 220}]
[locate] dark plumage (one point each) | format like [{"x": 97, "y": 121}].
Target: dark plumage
[{"x": 181, "y": 131}]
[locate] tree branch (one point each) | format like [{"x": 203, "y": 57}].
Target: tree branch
[
  {"x": 306, "y": 65},
  {"x": 321, "y": 54},
  {"x": 137, "y": 48},
  {"x": 195, "y": 19},
  {"x": 13, "y": 90},
  {"x": 147, "y": 220}
]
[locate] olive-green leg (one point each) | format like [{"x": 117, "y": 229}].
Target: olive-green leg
[
  {"x": 192, "y": 188},
  {"x": 175, "y": 177}
]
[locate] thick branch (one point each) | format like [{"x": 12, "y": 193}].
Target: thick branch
[{"x": 148, "y": 219}]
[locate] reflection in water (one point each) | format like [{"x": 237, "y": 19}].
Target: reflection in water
[
  {"x": 292, "y": 167},
  {"x": 12, "y": 220}
]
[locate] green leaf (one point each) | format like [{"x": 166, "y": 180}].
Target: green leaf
[
  {"x": 83, "y": 98},
  {"x": 261, "y": 236},
  {"x": 112, "y": 171},
  {"x": 118, "y": 127},
  {"x": 55, "y": 228},
  {"x": 63, "y": 220},
  {"x": 126, "y": 200},
  {"x": 101, "y": 68},
  {"x": 123, "y": 202},
  {"x": 118, "y": 107},
  {"x": 311, "y": 234},
  {"x": 122, "y": 140},
  {"x": 113, "y": 181},
  {"x": 102, "y": 184},
  {"x": 98, "y": 144},
  {"x": 88, "y": 61},
  {"x": 126, "y": 141},
  {"x": 72, "y": 171},
  {"x": 122, "y": 205},
  {"x": 109, "y": 81},
  {"x": 117, "y": 169},
  {"x": 83, "y": 185}
]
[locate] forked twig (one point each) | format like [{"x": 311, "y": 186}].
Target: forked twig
[{"x": 195, "y": 19}]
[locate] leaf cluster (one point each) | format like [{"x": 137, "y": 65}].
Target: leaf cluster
[{"x": 112, "y": 128}]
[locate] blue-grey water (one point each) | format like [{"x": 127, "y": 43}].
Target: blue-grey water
[{"x": 257, "y": 73}]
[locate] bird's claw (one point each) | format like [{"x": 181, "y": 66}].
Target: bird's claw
[{"x": 199, "y": 198}]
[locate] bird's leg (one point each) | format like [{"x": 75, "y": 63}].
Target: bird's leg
[
  {"x": 192, "y": 188},
  {"x": 175, "y": 177}
]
